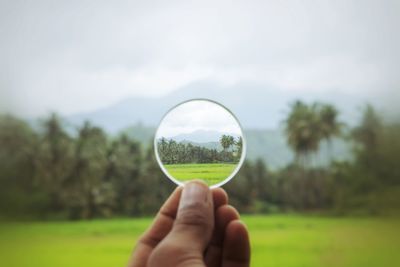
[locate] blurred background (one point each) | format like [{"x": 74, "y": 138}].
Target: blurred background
[{"x": 315, "y": 84}]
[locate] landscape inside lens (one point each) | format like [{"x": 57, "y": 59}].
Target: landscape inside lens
[{"x": 200, "y": 139}]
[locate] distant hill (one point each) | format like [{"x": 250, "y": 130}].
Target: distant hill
[
  {"x": 209, "y": 145},
  {"x": 201, "y": 136},
  {"x": 269, "y": 145},
  {"x": 143, "y": 134},
  {"x": 255, "y": 106}
]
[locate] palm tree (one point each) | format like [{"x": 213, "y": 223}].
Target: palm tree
[
  {"x": 367, "y": 134},
  {"x": 56, "y": 157},
  {"x": 303, "y": 133},
  {"x": 172, "y": 152},
  {"x": 231, "y": 140},
  {"x": 88, "y": 170},
  {"x": 226, "y": 141},
  {"x": 239, "y": 144},
  {"x": 330, "y": 126}
]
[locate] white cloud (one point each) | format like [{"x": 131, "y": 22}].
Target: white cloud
[
  {"x": 198, "y": 115},
  {"x": 75, "y": 56}
]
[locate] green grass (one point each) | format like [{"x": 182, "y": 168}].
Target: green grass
[
  {"x": 279, "y": 241},
  {"x": 211, "y": 173}
]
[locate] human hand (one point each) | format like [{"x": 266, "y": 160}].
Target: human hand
[{"x": 195, "y": 227}]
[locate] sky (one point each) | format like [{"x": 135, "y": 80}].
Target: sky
[
  {"x": 198, "y": 115},
  {"x": 77, "y": 56}
]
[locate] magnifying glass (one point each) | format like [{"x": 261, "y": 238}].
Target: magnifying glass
[{"x": 200, "y": 139}]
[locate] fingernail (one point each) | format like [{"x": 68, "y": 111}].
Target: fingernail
[{"x": 194, "y": 192}]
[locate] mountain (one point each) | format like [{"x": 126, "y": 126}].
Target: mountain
[
  {"x": 209, "y": 145},
  {"x": 201, "y": 136},
  {"x": 256, "y": 106},
  {"x": 269, "y": 145},
  {"x": 140, "y": 132}
]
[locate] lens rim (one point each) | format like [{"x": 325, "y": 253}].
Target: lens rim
[{"x": 242, "y": 156}]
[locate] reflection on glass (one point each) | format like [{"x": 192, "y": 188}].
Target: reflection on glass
[{"x": 200, "y": 139}]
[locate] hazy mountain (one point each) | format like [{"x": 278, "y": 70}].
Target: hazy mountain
[
  {"x": 141, "y": 133},
  {"x": 209, "y": 145},
  {"x": 269, "y": 145},
  {"x": 201, "y": 136},
  {"x": 255, "y": 106}
]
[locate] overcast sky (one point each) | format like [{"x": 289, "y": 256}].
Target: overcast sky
[
  {"x": 197, "y": 115},
  {"x": 73, "y": 56}
]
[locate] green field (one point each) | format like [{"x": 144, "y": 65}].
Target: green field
[
  {"x": 211, "y": 173},
  {"x": 279, "y": 241}
]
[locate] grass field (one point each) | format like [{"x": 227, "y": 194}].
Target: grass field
[
  {"x": 279, "y": 241},
  {"x": 211, "y": 173}
]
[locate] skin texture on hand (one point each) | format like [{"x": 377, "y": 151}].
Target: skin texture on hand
[{"x": 194, "y": 228}]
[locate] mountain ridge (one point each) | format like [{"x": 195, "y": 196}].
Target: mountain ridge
[
  {"x": 268, "y": 145},
  {"x": 201, "y": 136},
  {"x": 256, "y": 106}
]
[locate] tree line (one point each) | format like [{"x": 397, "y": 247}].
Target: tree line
[
  {"x": 173, "y": 152},
  {"x": 49, "y": 172}
]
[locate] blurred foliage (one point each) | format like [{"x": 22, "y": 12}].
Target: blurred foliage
[{"x": 48, "y": 173}]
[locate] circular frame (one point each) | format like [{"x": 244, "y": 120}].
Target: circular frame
[{"x": 242, "y": 156}]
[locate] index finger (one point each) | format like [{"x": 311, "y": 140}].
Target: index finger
[{"x": 160, "y": 227}]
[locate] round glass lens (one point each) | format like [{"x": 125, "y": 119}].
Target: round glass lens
[{"x": 200, "y": 139}]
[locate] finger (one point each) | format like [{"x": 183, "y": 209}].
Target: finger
[
  {"x": 236, "y": 250},
  {"x": 220, "y": 197},
  {"x": 191, "y": 231},
  {"x": 223, "y": 216},
  {"x": 195, "y": 217},
  {"x": 160, "y": 227},
  {"x": 163, "y": 224}
]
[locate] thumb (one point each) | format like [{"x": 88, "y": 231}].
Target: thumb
[
  {"x": 195, "y": 217},
  {"x": 192, "y": 229}
]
